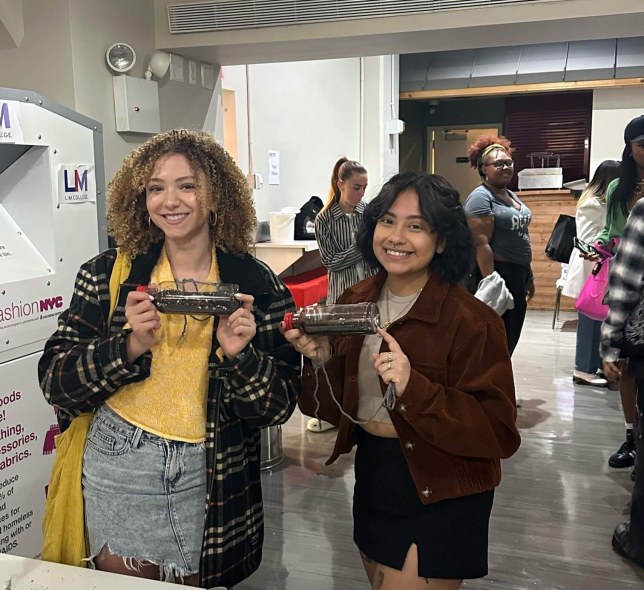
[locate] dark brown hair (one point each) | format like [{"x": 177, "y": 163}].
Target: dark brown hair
[{"x": 440, "y": 207}]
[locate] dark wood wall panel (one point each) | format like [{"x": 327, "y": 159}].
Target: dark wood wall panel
[{"x": 558, "y": 123}]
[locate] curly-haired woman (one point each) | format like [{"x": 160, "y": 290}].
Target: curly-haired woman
[
  {"x": 499, "y": 222},
  {"x": 428, "y": 458},
  {"x": 171, "y": 481}
]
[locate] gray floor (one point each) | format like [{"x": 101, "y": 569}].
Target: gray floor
[{"x": 554, "y": 512}]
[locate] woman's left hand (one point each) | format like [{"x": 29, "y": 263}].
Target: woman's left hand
[
  {"x": 529, "y": 290},
  {"x": 392, "y": 366},
  {"x": 235, "y": 331}
]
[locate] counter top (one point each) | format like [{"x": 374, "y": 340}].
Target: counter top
[
  {"x": 306, "y": 245},
  {"x": 21, "y": 573},
  {"x": 544, "y": 192},
  {"x": 280, "y": 256}
]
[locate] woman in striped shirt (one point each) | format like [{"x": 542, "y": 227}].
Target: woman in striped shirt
[
  {"x": 336, "y": 226},
  {"x": 335, "y": 230}
]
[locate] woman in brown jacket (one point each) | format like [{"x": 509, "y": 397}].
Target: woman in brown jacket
[{"x": 426, "y": 469}]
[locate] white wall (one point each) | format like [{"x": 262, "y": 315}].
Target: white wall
[
  {"x": 310, "y": 113},
  {"x": 62, "y": 57},
  {"x": 234, "y": 78},
  {"x": 613, "y": 108},
  {"x": 95, "y": 25},
  {"x": 43, "y": 61},
  {"x": 380, "y": 102}
]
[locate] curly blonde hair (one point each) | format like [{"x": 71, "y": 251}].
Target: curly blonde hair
[{"x": 221, "y": 188}]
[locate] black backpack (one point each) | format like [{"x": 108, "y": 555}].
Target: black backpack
[
  {"x": 560, "y": 244},
  {"x": 305, "y": 219}
]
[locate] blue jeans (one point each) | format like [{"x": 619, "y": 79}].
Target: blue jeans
[
  {"x": 587, "y": 346},
  {"x": 145, "y": 496}
]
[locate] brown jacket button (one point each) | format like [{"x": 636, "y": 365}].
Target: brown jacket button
[
  {"x": 427, "y": 492},
  {"x": 410, "y": 445},
  {"x": 402, "y": 408}
]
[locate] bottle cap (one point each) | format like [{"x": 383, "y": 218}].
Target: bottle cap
[{"x": 288, "y": 320}]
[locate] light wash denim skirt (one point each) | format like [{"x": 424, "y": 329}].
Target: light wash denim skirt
[{"x": 145, "y": 496}]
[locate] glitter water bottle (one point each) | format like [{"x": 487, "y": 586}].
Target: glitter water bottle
[
  {"x": 338, "y": 319},
  {"x": 190, "y": 297}
]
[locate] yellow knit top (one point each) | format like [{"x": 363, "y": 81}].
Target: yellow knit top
[{"x": 171, "y": 402}]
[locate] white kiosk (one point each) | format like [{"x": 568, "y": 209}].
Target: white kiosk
[{"x": 52, "y": 218}]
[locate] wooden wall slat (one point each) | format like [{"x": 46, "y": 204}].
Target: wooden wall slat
[{"x": 546, "y": 206}]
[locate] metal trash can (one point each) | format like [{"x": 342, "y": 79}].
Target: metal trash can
[{"x": 271, "y": 452}]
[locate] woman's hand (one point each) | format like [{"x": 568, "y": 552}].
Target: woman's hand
[
  {"x": 613, "y": 370},
  {"x": 143, "y": 317},
  {"x": 529, "y": 290},
  {"x": 594, "y": 257},
  {"x": 235, "y": 331},
  {"x": 318, "y": 349},
  {"x": 392, "y": 366}
]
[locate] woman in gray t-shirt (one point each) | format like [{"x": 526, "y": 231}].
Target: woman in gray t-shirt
[{"x": 499, "y": 221}]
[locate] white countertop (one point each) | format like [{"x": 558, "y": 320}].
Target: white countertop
[
  {"x": 306, "y": 245},
  {"x": 20, "y": 573},
  {"x": 280, "y": 256}
]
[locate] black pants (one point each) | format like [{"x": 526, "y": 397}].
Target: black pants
[
  {"x": 515, "y": 277},
  {"x": 636, "y": 534}
]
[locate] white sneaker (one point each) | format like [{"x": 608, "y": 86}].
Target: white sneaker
[
  {"x": 582, "y": 378},
  {"x": 315, "y": 425}
]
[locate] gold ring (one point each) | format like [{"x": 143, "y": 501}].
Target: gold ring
[
  {"x": 388, "y": 365},
  {"x": 390, "y": 356}
]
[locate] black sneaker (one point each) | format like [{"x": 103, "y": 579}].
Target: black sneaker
[{"x": 625, "y": 456}]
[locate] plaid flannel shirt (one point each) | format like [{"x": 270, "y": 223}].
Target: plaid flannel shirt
[
  {"x": 625, "y": 284},
  {"x": 84, "y": 362}
]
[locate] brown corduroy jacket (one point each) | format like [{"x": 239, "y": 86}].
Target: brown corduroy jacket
[{"x": 456, "y": 418}]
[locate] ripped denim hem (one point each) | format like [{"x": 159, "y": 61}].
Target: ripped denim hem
[{"x": 168, "y": 571}]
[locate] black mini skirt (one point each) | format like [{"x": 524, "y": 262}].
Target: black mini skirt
[{"x": 388, "y": 516}]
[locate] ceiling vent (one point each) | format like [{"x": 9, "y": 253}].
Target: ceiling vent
[{"x": 227, "y": 15}]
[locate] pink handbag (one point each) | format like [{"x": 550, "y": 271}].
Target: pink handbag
[{"x": 591, "y": 299}]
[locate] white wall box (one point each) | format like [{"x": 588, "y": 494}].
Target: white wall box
[{"x": 136, "y": 105}]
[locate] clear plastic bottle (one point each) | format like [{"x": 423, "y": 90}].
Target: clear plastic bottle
[
  {"x": 190, "y": 297},
  {"x": 339, "y": 319}
]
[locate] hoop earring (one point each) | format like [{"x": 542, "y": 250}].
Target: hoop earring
[{"x": 212, "y": 218}]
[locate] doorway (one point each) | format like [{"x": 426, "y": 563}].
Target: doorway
[{"x": 447, "y": 155}]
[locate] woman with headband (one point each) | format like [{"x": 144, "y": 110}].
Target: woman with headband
[{"x": 499, "y": 221}]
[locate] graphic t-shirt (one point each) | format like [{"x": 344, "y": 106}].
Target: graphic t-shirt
[{"x": 510, "y": 238}]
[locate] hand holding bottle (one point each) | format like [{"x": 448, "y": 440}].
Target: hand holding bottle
[
  {"x": 316, "y": 348},
  {"x": 234, "y": 332},
  {"x": 144, "y": 320}
]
